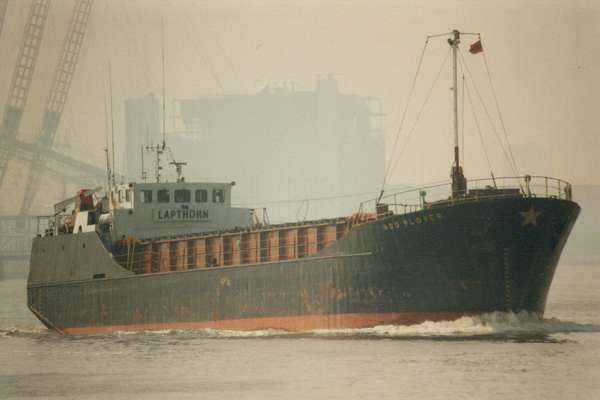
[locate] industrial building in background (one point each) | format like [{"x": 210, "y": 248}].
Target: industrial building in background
[{"x": 305, "y": 154}]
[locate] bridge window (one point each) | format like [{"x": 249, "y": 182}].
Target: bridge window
[
  {"x": 146, "y": 196},
  {"x": 218, "y": 196},
  {"x": 182, "y": 196},
  {"x": 91, "y": 218},
  {"x": 201, "y": 196},
  {"x": 163, "y": 195}
]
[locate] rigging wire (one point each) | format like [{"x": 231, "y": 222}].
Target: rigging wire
[
  {"x": 230, "y": 64},
  {"x": 292, "y": 201},
  {"x": 112, "y": 122},
  {"x": 106, "y": 133},
  {"x": 395, "y": 164},
  {"x": 499, "y": 113},
  {"x": 122, "y": 23},
  {"x": 132, "y": 39},
  {"x": 301, "y": 208},
  {"x": 470, "y": 75},
  {"x": 410, "y": 94},
  {"x": 478, "y": 127},
  {"x": 201, "y": 51},
  {"x": 462, "y": 117},
  {"x": 164, "y": 95},
  {"x": 404, "y": 188}
]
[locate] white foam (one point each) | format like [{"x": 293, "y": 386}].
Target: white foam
[
  {"x": 261, "y": 333},
  {"x": 209, "y": 333},
  {"x": 495, "y": 323},
  {"x": 25, "y": 330}
]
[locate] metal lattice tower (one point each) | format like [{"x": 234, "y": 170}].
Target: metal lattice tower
[
  {"x": 21, "y": 79},
  {"x": 3, "y": 4},
  {"x": 63, "y": 76}
]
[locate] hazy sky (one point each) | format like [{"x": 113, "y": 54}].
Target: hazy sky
[{"x": 544, "y": 58}]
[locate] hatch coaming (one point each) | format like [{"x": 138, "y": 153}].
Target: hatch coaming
[{"x": 270, "y": 243}]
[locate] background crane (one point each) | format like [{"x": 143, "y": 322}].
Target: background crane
[
  {"x": 57, "y": 98},
  {"x": 3, "y": 5},
  {"x": 16, "y": 231},
  {"x": 21, "y": 80}
]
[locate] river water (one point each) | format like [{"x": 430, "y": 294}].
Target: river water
[{"x": 496, "y": 356}]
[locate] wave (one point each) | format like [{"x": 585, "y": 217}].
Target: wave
[
  {"x": 494, "y": 325},
  {"x": 17, "y": 330},
  {"x": 490, "y": 324}
]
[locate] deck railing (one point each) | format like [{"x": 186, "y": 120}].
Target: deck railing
[
  {"x": 416, "y": 199},
  {"x": 45, "y": 225}
]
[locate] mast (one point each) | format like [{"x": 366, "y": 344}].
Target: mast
[
  {"x": 459, "y": 182},
  {"x": 164, "y": 115},
  {"x": 142, "y": 158},
  {"x": 159, "y": 149},
  {"x": 455, "y": 43},
  {"x": 112, "y": 124}
]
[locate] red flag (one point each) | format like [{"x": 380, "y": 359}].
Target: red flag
[{"x": 476, "y": 47}]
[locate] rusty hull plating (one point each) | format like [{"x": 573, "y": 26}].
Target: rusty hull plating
[{"x": 438, "y": 263}]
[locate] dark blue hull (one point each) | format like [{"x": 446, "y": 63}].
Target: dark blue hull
[{"x": 439, "y": 263}]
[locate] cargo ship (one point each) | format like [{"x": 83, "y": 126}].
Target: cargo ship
[{"x": 178, "y": 255}]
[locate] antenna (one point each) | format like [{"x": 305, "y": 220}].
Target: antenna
[
  {"x": 142, "y": 147},
  {"x": 160, "y": 149},
  {"x": 107, "y": 169},
  {"x": 108, "y": 172},
  {"x": 112, "y": 122},
  {"x": 164, "y": 114},
  {"x": 143, "y": 170},
  {"x": 179, "y": 169}
]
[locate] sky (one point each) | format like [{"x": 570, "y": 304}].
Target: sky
[{"x": 543, "y": 56}]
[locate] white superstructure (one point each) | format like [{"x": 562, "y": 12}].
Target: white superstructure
[{"x": 149, "y": 210}]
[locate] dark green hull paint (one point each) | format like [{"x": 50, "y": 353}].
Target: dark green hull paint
[{"x": 471, "y": 257}]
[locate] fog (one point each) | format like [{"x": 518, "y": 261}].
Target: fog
[{"x": 543, "y": 58}]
